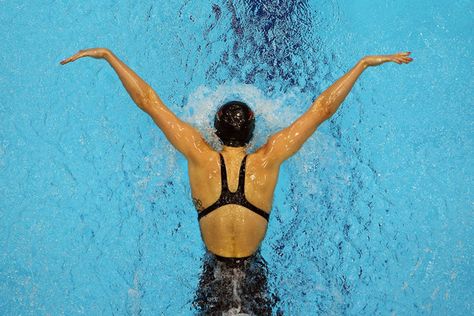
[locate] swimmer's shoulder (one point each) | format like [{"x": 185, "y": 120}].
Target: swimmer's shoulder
[
  {"x": 206, "y": 156},
  {"x": 263, "y": 157}
]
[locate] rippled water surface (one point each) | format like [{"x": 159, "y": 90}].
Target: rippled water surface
[{"x": 373, "y": 217}]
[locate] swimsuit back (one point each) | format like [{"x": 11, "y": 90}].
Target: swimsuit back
[{"x": 237, "y": 197}]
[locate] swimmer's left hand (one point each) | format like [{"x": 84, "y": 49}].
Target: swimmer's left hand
[{"x": 91, "y": 52}]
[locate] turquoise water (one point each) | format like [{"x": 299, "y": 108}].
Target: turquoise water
[{"x": 373, "y": 217}]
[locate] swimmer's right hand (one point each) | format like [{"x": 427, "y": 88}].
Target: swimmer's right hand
[
  {"x": 399, "y": 58},
  {"x": 91, "y": 52}
]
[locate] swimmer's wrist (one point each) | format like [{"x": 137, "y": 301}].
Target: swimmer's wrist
[
  {"x": 363, "y": 63},
  {"x": 107, "y": 53}
]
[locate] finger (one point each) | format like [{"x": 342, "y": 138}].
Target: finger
[
  {"x": 73, "y": 57},
  {"x": 68, "y": 60},
  {"x": 65, "y": 61},
  {"x": 397, "y": 60},
  {"x": 406, "y": 59},
  {"x": 403, "y": 53},
  {"x": 402, "y": 60},
  {"x": 393, "y": 58}
]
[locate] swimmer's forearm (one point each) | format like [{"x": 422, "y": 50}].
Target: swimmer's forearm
[
  {"x": 181, "y": 135},
  {"x": 330, "y": 100},
  {"x": 137, "y": 88},
  {"x": 141, "y": 93},
  {"x": 288, "y": 141}
]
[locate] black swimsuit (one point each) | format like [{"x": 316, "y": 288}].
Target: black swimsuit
[{"x": 237, "y": 197}]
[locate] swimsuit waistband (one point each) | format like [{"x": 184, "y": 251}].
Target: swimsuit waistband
[{"x": 231, "y": 260}]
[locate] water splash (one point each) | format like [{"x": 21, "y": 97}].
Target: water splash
[{"x": 272, "y": 113}]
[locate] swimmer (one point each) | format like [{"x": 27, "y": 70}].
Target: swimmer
[{"x": 232, "y": 190}]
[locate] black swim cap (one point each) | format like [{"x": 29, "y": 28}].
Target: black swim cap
[{"x": 234, "y": 123}]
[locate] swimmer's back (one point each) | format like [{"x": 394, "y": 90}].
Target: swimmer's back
[{"x": 233, "y": 230}]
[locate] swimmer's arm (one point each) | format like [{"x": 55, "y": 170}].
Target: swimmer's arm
[
  {"x": 185, "y": 138},
  {"x": 287, "y": 142}
]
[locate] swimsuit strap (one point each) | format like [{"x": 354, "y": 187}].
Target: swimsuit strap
[
  {"x": 224, "y": 186},
  {"x": 224, "y": 192},
  {"x": 237, "y": 197},
  {"x": 241, "y": 187}
]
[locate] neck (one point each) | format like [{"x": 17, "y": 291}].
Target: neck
[{"x": 234, "y": 150}]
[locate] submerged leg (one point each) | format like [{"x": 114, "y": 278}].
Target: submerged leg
[{"x": 234, "y": 286}]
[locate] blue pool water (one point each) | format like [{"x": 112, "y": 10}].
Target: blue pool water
[{"x": 373, "y": 217}]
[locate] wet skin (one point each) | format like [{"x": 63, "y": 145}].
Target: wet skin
[{"x": 232, "y": 230}]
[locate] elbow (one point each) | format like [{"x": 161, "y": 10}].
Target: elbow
[
  {"x": 325, "y": 111},
  {"x": 145, "y": 105},
  {"x": 327, "y": 114},
  {"x": 144, "y": 98},
  {"x": 322, "y": 109},
  {"x": 141, "y": 103}
]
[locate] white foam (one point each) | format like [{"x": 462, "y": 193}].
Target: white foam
[{"x": 272, "y": 113}]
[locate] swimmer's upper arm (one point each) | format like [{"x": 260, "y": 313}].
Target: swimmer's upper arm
[
  {"x": 288, "y": 141},
  {"x": 185, "y": 138}
]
